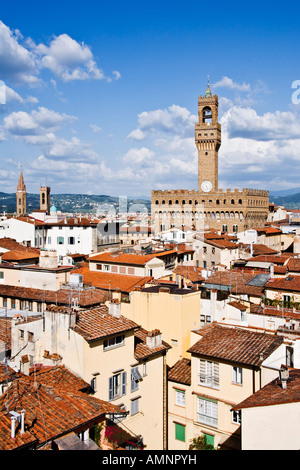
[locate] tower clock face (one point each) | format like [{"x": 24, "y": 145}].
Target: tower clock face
[{"x": 206, "y": 186}]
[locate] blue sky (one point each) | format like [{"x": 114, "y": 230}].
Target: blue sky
[{"x": 101, "y": 97}]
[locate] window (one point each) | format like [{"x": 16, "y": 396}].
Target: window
[
  {"x": 60, "y": 240},
  {"x": 135, "y": 377},
  {"x": 236, "y": 417},
  {"x": 105, "y": 267},
  {"x": 180, "y": 432},
  {"x": 21, "y": 334},
  {"x": 117, "y": 386},
  {"x": 71, "y": 240},
  {"x": 49, "y": 241},
  {"x": 289, "y": 356},
  {"x": 113, "y": 342},
  {"x": 208, "y": 373},
  {"x": 134, "y": 406},
  {"x": 237, "y": 376},
  {"x": 1, "y": 275},
  {"x": 207, "y": 412},
  {"x": 180, "y": 397},
  {"x": 205, "y": 320},
  {"x": 39, "y": 307},
  {"x": 30, "y": 336}
]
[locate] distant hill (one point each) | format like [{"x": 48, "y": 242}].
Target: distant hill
[
  {"x": 74, "y": 203},
  {"x": 289, "y": 201}
]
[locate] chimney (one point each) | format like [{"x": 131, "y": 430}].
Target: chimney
[
  {"x": 114, "y": 308},
  {"x": 25, "y": 364},
  {"x": 13, "y": 427},
  {"x": 22, "y": 421},
  {"x": 283, "y": 376},
  {"x": 154, "y": 339}
]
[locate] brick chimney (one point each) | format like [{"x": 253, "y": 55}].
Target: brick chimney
[{"x": 154, "y": 339}]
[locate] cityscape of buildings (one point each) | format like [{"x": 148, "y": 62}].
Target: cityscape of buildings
[{"x": 174, "y": 330}]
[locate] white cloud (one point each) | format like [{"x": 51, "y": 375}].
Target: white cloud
[
  {"x": 16, "y": 61},
  {"x": 43, "y": 120},
  {"x": 245, "y": 122},
  {"x": 95, "y": 129},
  {"x": 227, "y": 82},
  {"x": 68, "y": 59}
]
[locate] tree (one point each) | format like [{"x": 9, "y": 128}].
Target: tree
[{"x": 199, "y": 443}]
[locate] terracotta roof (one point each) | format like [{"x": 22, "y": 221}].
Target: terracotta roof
[
  {"x": 129, "y": 258},
  {"x": 276, "y": 259},
  {"x": 7, "y": 374},
  {"x": 181, "y": 372},
  {"x": 142, "y": 350},
  {"x": 86, "y": 297},
  {"x": 110, "y": 281},
  {"x": 51, "y": 411},
  {"x": 97, "y": 323},
  {"x": 58, "y": 377},
  {"x": 191, "y": 273},
  {"x": 274, "y": 311},
  {"x": 274, "y": 394},
  {"x": 5, "y": 332},
  {"x": 235, "y": 344},
  {"x": 19, "y": 255},
  {"x": 261, "y": 249},
  {"x": 289, "y": 283},
  {"x": 11, "y": 244},
  {"x": 294, "y": 265},
  {"x": 236, "y": 280}
]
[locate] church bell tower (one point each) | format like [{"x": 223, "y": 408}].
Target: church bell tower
[
  {"x": 21, "y": 196},
  {"x": 208, "y": 142}
]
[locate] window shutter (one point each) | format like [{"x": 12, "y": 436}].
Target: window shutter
[
  {"x": 110, "y": 389},
  {"x": 124, "y": 383}
]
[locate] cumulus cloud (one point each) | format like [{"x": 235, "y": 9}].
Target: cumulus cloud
[
  {"x": 22, "y": 61},
  {"x": 16, "y": 61},
  {"x": 43, "y": 120},
  {"x": 229, "y": 83}
]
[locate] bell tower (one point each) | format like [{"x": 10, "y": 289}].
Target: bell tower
[
  {"x": 45, "y": 199},
  {"x": 208, "y": 142},
  {"x": 21, "y": 196}
]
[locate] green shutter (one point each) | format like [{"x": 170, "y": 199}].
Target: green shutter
[
  {"x": 209, "y": 439},
  {"x": 180, "y": 432}
]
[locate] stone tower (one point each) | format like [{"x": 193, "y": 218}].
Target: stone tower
[
  {"x": 45, "y": 199},
  {"x": 208, "y": 142},
  {"x": 21, "y": 196}
]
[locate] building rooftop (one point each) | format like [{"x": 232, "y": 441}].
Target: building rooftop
[
  {"x": 181, "y": 372},
  {"x": 274, "y": 393},
  {"x": 235, "y": 344}
]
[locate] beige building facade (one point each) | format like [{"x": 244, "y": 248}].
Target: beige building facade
[{"x": 209, "y": 206}]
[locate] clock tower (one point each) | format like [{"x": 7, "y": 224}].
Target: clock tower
[{"x": 208, "y": 141}]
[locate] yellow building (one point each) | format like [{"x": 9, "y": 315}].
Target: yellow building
[
  {"x": 227, "y": 365},
  {"x": 173, "y": 310},
  {"x": 115, "y": 355}
]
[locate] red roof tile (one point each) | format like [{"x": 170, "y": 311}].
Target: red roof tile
[
  {"x": 181, "y": 372},
  {"x": 235, "y": 344}
]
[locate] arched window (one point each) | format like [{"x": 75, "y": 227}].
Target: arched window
[{"x": 206, "y": 114}]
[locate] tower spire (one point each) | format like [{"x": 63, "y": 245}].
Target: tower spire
[
  {"x": 21, "y": 196},
  {"x": 21, "y": 185},
  {"x": 208, "y": 93}
]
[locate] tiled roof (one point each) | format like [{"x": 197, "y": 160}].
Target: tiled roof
[
  {"x": 274, "y": 311},
  {"x": 181, "y": 372},
  {"x": 289, "y": 283},
  {"x": 235, "y": 344},
  {"x": 236, "y": 280},
  {"x": 110, "y": 281},
  {"x": 274, "y": 394},
  {"x": 19, "y": 255},
  {"x": 192, "y": 273},
  {"x": 7, "y": 373},
  {"x": 129, "y": 258},
  {"x": 276, "y": 259},
  {"x": 11, "y": 244},
  {"x": 51, "y": 410},
  {"x": 97, "y": 323},
  {"x": 294, "y": 265},
  {"x": 86, "y": 297},
  {"x": 5, "y": 332},
  {"x": 142, "y": 350},
  {"x": 59, "y": 377}
]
